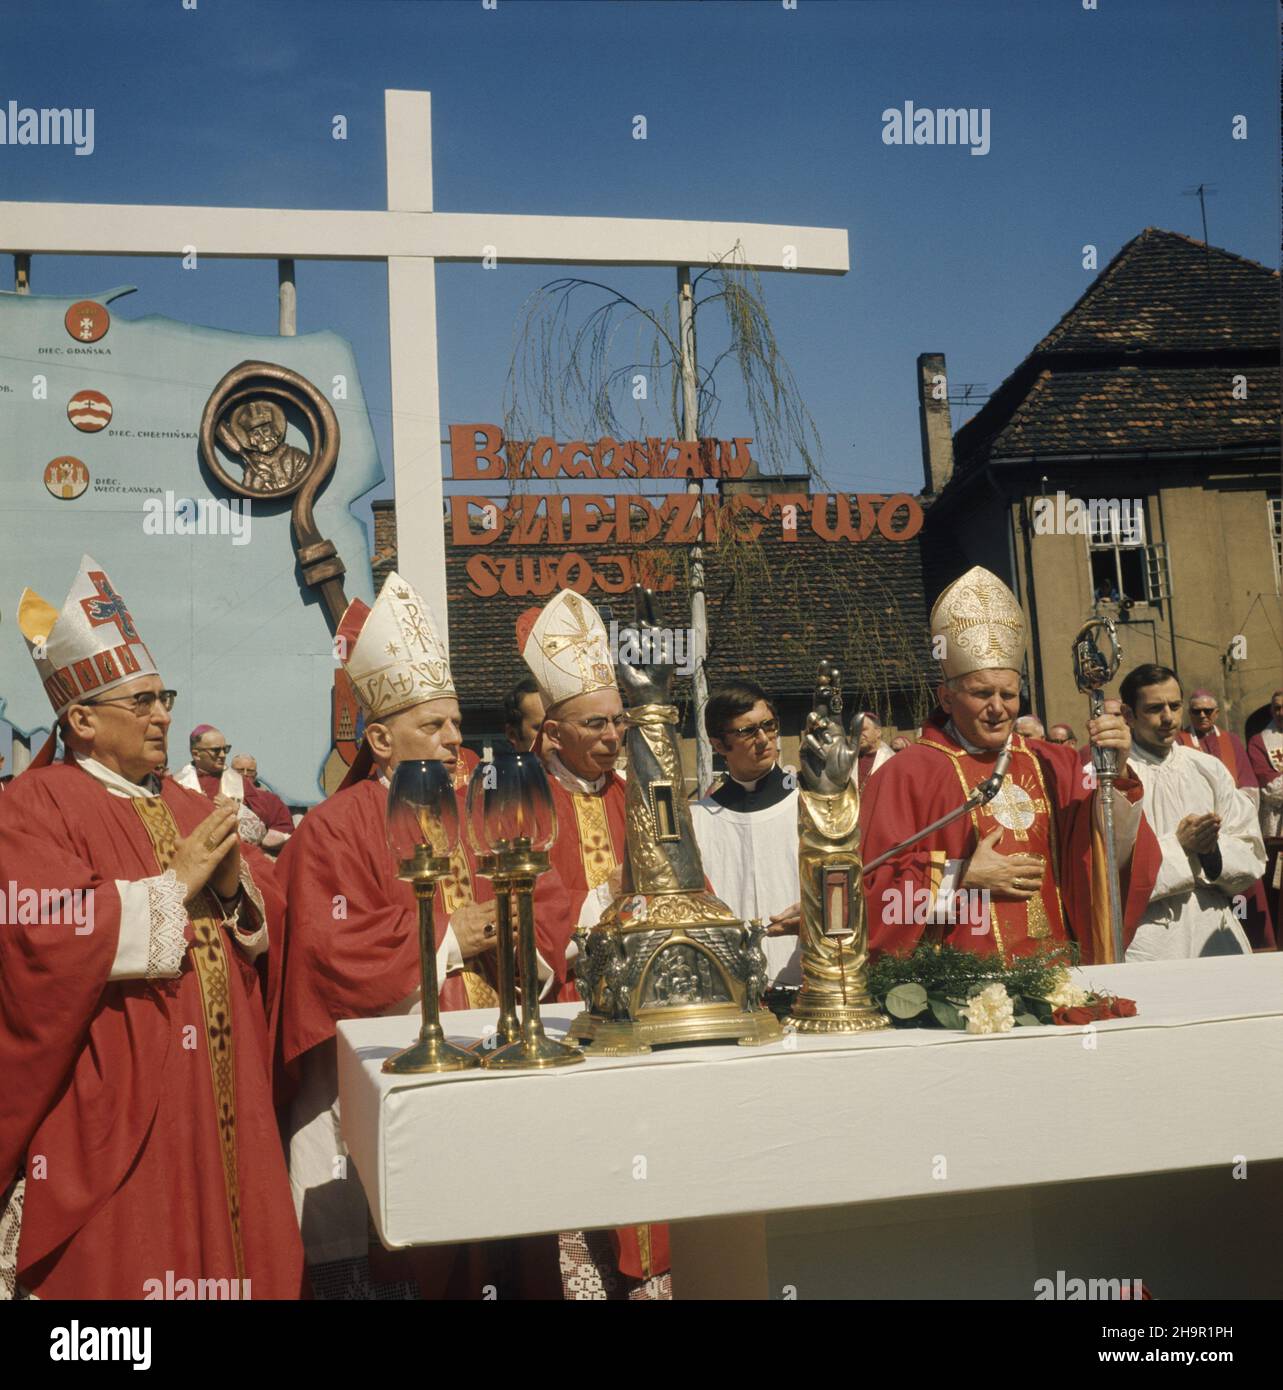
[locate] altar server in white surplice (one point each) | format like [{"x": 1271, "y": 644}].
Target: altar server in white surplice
[
  {"x": 747, "y": 827},
  {"x": 1207, "y": 830}
]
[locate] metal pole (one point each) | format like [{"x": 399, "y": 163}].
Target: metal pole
[
  {"x": 288, "y": 298},
  {"x": 22, "y": 272},
  {"x": 699, "y": 611}
]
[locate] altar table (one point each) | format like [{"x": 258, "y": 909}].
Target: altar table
[{"x": 905, "y": 1163}]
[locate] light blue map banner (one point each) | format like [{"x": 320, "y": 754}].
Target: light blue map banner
[{"x": 99, "y": 423}]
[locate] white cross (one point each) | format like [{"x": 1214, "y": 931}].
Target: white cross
[{"x": 412, "y": 238}]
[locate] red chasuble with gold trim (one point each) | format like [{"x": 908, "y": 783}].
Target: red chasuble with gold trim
[
  {"x": 140, "y": 1109},
  {"x": 352, "y": 939},
  {"x": 590, "y": 844},
  {"x": 1044, "y": 808}
]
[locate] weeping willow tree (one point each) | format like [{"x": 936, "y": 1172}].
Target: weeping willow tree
[{"x": 584, "y": 353}]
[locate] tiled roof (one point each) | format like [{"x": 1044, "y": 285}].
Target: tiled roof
[
  {"x": 1144, "y": 360},
  {"x": 1167, "y": 291},
  {"x": 794, "y": 602},
  {"x": 1139, "y": 407}
]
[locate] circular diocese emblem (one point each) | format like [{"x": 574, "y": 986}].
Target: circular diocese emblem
[
  {"x": 87, "y": 321},
  {"x": 89, "y": 411},
  {"x": 66, "y": 478}
]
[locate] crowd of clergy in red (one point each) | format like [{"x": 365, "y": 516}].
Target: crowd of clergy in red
[{"x": 176, "y": 1108}]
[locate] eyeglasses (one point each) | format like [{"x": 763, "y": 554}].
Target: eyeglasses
[
  {"x": 598, "y": 724},
  {"x": 142, "y": 702},
  {"x": 224, "y": 750},
  {"x": 1211, "y": 709},
  {"x": 769, "y": 727}
]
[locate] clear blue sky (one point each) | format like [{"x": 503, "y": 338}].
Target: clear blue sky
[{"x": 1099, "y": 120}]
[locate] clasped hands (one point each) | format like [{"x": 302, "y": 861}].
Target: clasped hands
[
  {"x": 1199, "y": 834},
  {"x": 211, "y": 855}
]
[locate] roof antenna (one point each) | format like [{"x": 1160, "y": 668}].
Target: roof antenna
[{"x": 1199, "y": 191}]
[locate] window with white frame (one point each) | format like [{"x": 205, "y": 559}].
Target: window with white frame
[{"x": 1125, "y": 564}]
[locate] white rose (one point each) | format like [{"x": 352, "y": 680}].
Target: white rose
[
  {"x": 1065, "y": 994},
  {"x": 990, "y": 1011}
]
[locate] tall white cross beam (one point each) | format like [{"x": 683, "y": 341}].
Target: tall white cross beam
[{"x": 411, "y": 237}]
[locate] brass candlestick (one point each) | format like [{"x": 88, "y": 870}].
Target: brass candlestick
[
  {"x": 512, "y": 823},
  {"x": 517, "y": 867},
  {"x": 423, "y": 830},
  {"x": 432, "y": 1052},
  {"x": 508, "y": 1027}
]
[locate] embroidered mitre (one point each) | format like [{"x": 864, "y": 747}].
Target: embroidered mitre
[
  {"x": 392, "y": 652},
  {"x": 90, "y": 646},
  {"x": 566, "y": 648},
  {"x": 981, "y": 624}
]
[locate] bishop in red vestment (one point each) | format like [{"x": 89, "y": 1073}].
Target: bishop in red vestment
[
  {"x": 566, "y": 648},
  {"x": 138, "y": 1142},
  {"x": 352, "y": 938},
  {"x": 264, "y": 820},
  {"x": 1026, "y": 870}
]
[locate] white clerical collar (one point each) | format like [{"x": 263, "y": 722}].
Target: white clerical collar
[
  {"x": 571, "y": 781},
  {"x": 753, "y": 786},
  {"x": 115, "y": 783},
  {"x": 951, "y": 729},
  {"x": 1147, "y": 755}
]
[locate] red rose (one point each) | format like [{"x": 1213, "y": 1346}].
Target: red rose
[{"x": 1078, "y": 1014}]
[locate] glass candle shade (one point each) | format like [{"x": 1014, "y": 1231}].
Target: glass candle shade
[
  {"x": 422, "y": 809},
  {"x": 509, "y": 800}
]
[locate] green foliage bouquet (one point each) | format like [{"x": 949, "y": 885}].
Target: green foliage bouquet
[{"x": 943, "y": 987}]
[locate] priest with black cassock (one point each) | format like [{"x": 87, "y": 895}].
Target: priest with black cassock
[
  {"x": 352, "y": 928},
  {"x": 747, "y": 827},
  {"x": 138, "y": 1142},
  {"x": 1025, "y": 871}
]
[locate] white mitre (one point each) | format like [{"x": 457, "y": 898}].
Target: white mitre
[
  {"x": 392, "y": 652},
  {"x": 88, "y": 648},
  {"x": 981, "y": 624},
  {"x": 566, "y": 647}
]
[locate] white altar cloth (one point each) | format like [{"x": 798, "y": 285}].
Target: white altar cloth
[{"x": 693, "y": 1133}]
